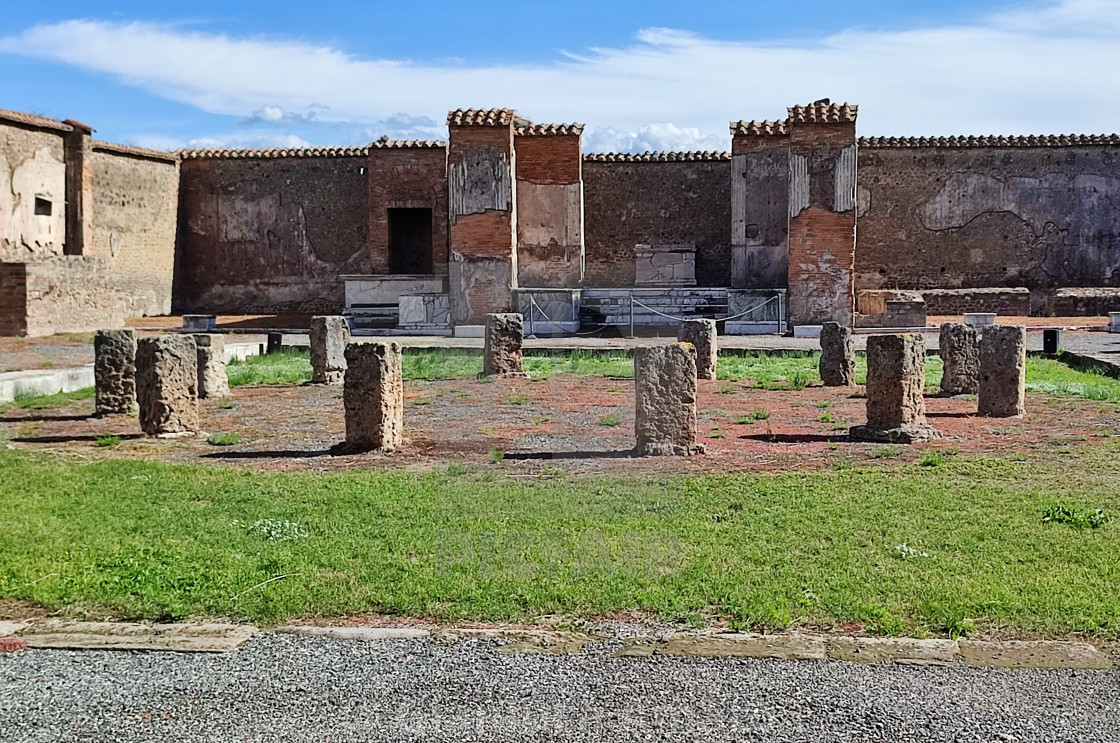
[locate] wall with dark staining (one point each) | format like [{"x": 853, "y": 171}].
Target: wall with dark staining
[
  {"x": 266, "y": 235},
  {"x": 945, "y": 217},
  {"x": 650, "y": 202}
]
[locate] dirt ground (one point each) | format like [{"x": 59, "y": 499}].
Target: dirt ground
[{"x": 563, "y": 423}]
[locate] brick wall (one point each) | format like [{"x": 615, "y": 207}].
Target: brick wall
[
  {"x": 270, "y": 234},
  {"x": 939, "y": 216},
  {"x": 550, "y": 251},
  {"x": 627, "y": 202},
  {"x": 13, "y": 299},
  {"x": 407, "y": 177},
  {"x": 135, "y": 201},
  {"x": 483, "y": 265},
  {"x": 822, "y": 227}
]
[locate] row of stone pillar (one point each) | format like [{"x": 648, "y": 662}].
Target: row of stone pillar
[
  {"x": 161, "y": 378},
  {"x": 991, "y": 365}
]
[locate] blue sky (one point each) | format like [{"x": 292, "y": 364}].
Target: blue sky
[{"x": 641, "y": 75}]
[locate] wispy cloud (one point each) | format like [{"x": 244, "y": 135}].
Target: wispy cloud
[{"x": 1046, "y": 67}]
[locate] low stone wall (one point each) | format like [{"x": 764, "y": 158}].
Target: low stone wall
[
  {"x": 612, "y": 306},
  {"x": 71, "y": 294},
  {"x": 1000, "y": 300},
  {"x": 1092, "y": 302}
]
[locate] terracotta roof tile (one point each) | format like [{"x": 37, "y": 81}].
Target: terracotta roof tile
[
  {"x": 823, "y": 112},
  {"x": 265, "y": 154},
  {"x": 123, "y": 149},
  {"x": 42, "y": 122},
  {"x": 1047, "y": 140},
  {"x": 407, "y": 144},
  {"x": 655, "y": 157},
  {"x": 760, "y": 128},
  {"x": 481, "y": 117},
  {"x": 533, "y": 130}
]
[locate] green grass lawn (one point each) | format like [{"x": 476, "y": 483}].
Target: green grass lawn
[{"x": 906, "y": 549}]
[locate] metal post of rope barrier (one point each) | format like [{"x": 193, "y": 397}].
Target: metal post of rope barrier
[{"x": 631, "y": 314}]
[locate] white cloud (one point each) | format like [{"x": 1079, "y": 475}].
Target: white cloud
[{"x": 1043, "y": 68}]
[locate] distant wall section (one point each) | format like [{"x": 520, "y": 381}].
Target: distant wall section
[
  {"x": 1039, "y": 212},
  {"x": 666, "y": 198},
  {"x": 267, "y": 231}
]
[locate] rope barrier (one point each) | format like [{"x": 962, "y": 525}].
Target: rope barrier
[
  {"x": 718, "y": 319},
  {"x": 534, "y": 306}
]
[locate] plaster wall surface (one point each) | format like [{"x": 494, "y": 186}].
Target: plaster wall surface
[
  {"x": 760, "y": 176},
  {"x": 549, "y": 211},
  {"x": 631, "y": 203},
  {"x": 134, "y": 216},
  {"x": 271, "y": 234},
  {"x": 32, "y": 164},
  {"x": 944, "y": 217}
]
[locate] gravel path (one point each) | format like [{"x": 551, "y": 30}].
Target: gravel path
[{"x": 285, "y": 688}]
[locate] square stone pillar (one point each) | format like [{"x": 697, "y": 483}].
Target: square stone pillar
[
  {"x": 822, "y": 213},
  {"x": 665, "y": 400},
  {"x": 213, "y": 383},
  {"x": 959, "y": 346},
  {"x": 550, "y": 242},
  {"x": 896, "y": 403},
  {"x": 167, "y": 384},
  {"x": 329, "y": 336},
  {"x": 1003, "y": 371},
  {"x": 114, "y": 371},
  {"x": 373, "y": 397},
  {"x": 838, "y": 362},
  {"x": 702, "y": 335},
  {"x": 78, "y": 151},
  {"x": 760, "y": 205},
  {"x": 482, "y": 268},
  {"x": 501, "y": 354}
]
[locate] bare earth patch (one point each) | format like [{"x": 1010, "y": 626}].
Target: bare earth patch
[{"x": 570, "y": 423}]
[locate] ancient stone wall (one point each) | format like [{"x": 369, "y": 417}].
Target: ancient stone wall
[
  {"x": 993, "y": 212},
  {"x": 822, "y": 214},
  {"x": 483, "y": 259},
  {"x": 135, "y": 201},
  {"x": 270, "y": 232},
  {"x": 666, "y": 198},
  {"x": 409, "y": 175},
  {"x": 550, "y": 250},
  {"x": 32, "y": 181},
  {"x": 760, "y": 158}
]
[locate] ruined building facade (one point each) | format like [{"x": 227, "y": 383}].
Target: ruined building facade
[{"x": 801, "y": 222}]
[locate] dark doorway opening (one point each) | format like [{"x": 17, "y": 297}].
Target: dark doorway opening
[{"x": 410, "y": 241}]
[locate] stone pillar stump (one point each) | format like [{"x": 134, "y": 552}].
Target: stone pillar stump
[
  {"x": 959, "y": 345},
  {"x": 896, "y": 403},
  {"x": 329, "y": 336},
  {"x": 167, "y": 384},
  {"x": 505, "y": 332},
  {"x": 665, "y": 400},
  {"x": 838, "y": 364},
  {"x": 114, "y": 371},
  {"x": 373, "y": 396},
  {"x": 1003, "y": 371},
  {"x": 702, "y": 335},
  {"x": 212, "y": 380}
]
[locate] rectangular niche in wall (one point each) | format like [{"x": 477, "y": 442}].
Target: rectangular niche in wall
[
  {"x": 43, "y": 207},
  {"x": 410, "y": 241}
]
